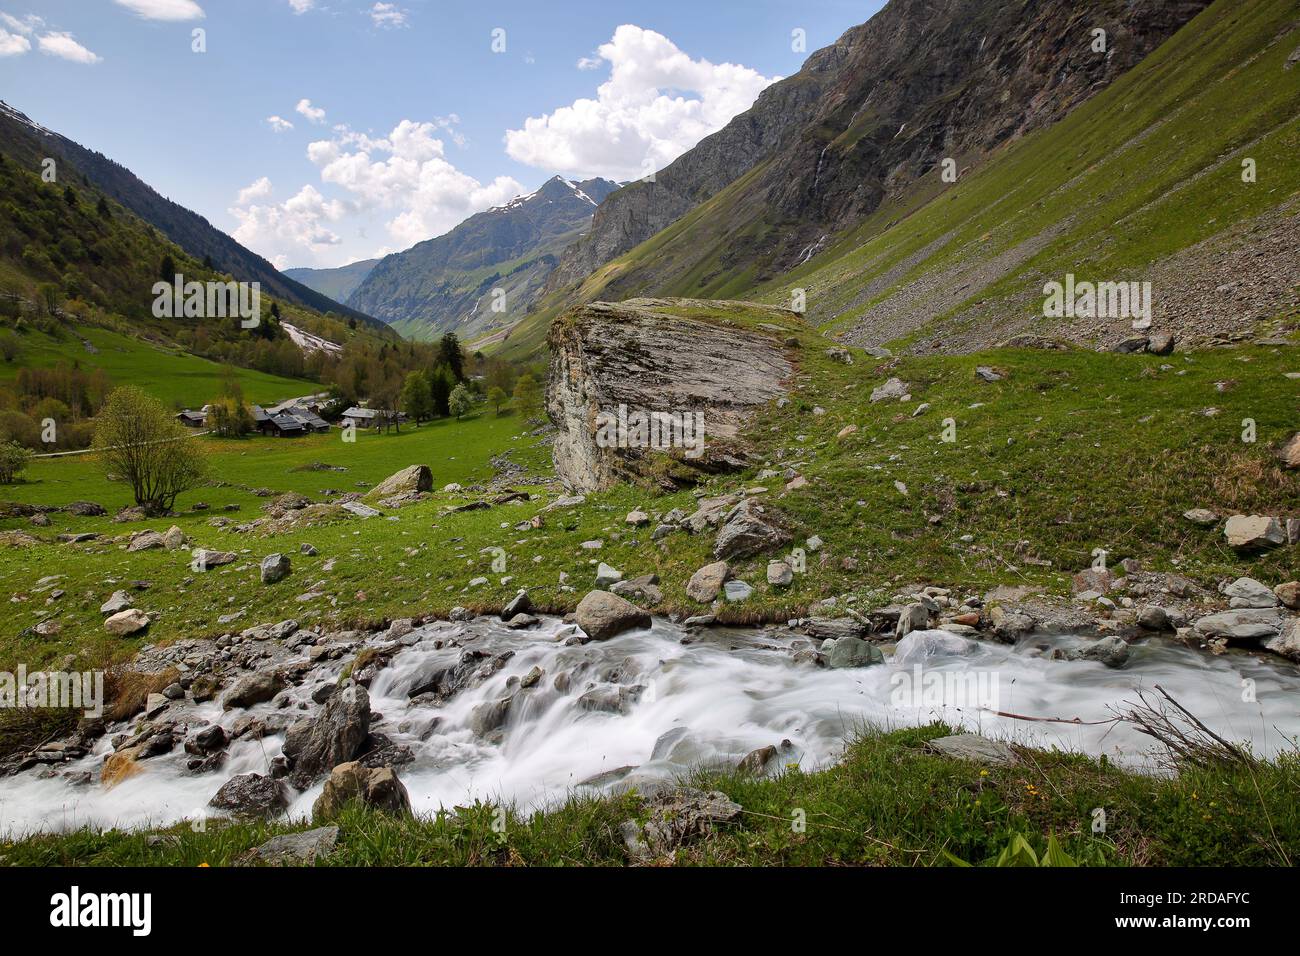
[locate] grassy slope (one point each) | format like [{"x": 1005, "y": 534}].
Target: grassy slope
[
  {"x": 1158, "y": 152},
  {"x": 175, "y": 378},
  {"x": 887, "y": 803},
  {"x": 1073, "y": 451}
]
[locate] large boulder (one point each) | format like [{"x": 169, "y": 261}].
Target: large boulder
[
  {"x": 603, "y": 615},
  {"x": 250, "y": 795},
  {"x": 126, "y": 623},
  {"x": 118, "y": 602},
  {"x": 1290, "y": 453},
  {"x": 316, "y": 745},
  {"x": 1241, "y": 625},
  {"x": 146, "y": 541},
  {"x": 676, "y": 817},
  {"x": 974, "y": 748},
  {"x": 851, "y": 652},
  {"x": 706, "y": 583},
  {"x": 625, "y": 378},
  {"x": 1247, "y": 592},
  {"x": 416, "y": 478},
  {"x": 376, "y": 789},
  {"x": 297, "y": 849},
  {"x": 749, "y": 528},
  {"x": 1286, "y": 643},
  {"x": 256, "y": 688},
  {"x": 275, "y": 567},
  {"x": 1254, "y": 532}
]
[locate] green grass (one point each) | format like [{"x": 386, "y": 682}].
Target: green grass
[
  {"x": 1149, "y": 166},
  {"x": 1073, "y": 451},
  {"x": 888, "y": 802},
  {"x": 176, "y": 378}
]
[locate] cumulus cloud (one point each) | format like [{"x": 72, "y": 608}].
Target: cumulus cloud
[
  {"x": 302, "y": 6},
  {"x": 312, "y": 113},
  {"x": 65, "y": 47},
  {"x": 13, "y": 44},
  {"x": 260, "y": 189},
  {"x": 388, "y": 15},
  {"x": 408, "y": 173},
  {"x": 278, "y": 124},
  {"x": 163, "y": 9},
  {"x": 404, "y": 177},
  {"x": 280, "y": 230},
  {"x": 28, "y": 24},
  {"x": 657, "y": 103}
]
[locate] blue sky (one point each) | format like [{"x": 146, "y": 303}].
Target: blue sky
[{"x": 423, "y": 122}]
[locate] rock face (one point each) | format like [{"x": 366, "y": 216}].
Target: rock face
[
  {"x": 316, "y": 746},
  {"x": 667, "y": 376},
  {"x": 602, "y": 615},
  {"x": 378, "y": 789},
  {"x": 416, "y": 478},
  {"x": 858, "y": 122}
]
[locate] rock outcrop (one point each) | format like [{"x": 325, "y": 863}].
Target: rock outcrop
[{"x": 638, "y": 380}]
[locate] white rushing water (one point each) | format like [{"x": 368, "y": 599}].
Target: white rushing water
[{"x": 714, "y": 699}]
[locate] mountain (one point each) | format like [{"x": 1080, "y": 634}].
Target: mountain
[
  {"x": 31, "y": 143},
  {"x": 863, "y": 120},
  {"x": 1140, "y": 179},
  {"x": 448, "y": 283},
  {"x": 337, "y": 283}
]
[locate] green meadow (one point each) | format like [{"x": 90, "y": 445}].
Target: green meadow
[{"x": 176, "y": 378}]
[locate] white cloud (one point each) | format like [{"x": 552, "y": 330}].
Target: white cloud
[
  {"x": 642, "y": 118},
  {"x": 260, "y": 189},
  {"x": 403, "y": 179},
  {"x": 313, "y": 113},
  {"x": 13, "y": 44},
  {"x": 163, "y": 9},
  {"x": 27, "y": 24},
  {"x": 590, "y": 63},
  {"x": 278, "y": 124},
  {"x": 65, "y": 47},
  {"x": 388, "y": 15},
  {"x": 302, "y": 6},
  {"x": 281, "y": 231},
  {"x": 408, "y": 173}
]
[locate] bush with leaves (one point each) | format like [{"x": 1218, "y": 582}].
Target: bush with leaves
[
  {"x": 460, "y": 401},
  {"x": 137, "y": 440},
  {"x": 13, "y": 459},
  {"x": 528, "y": 394}
]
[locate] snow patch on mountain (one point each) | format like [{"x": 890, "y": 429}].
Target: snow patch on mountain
[{"x": 310, "y": 343}]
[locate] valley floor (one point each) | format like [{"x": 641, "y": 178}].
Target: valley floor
[{"x": 1056, "y": 455}]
